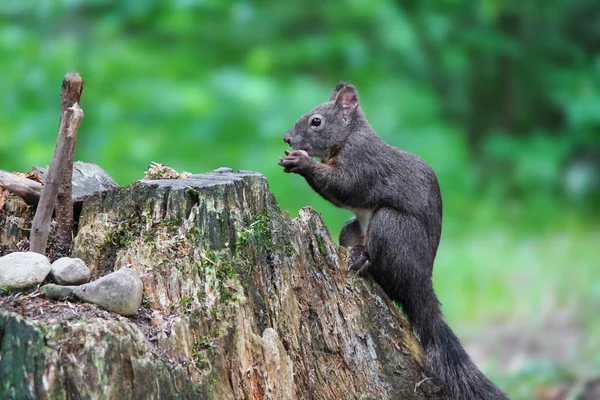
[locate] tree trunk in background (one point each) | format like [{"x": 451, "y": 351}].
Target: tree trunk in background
[{"x": 239, "y": 303}]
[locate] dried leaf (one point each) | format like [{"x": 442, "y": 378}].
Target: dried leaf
[
  {"x": 34, "y": 176},
  {"x": 160, "y": 171}
]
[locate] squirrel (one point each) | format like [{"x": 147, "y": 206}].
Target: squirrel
[{"x": 395, "y": 233}]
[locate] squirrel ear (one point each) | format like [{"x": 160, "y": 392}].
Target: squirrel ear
[
  {"x": 346, "y": 98},
  {"x": 337, "y": 89}
]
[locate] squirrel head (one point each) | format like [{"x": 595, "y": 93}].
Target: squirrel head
[{"x": 327, "y": 126}]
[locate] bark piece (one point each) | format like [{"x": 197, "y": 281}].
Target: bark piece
[
  {"x": 15, "y": 223},
  {"x": 25, "y": 188}
]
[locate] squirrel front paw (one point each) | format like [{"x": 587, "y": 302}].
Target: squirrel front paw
[
  {"x": 295, "y": 161},
  {"x": 359, "y": 260}
]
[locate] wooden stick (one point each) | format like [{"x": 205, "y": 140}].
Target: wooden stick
[
  {"x": 69, "y": 123},
  {"x": 29, "y": 190},
  {"x": 72, "y": 88}
]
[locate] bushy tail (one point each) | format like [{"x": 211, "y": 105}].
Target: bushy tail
[
  {"x": 447, "y": 361},
  {"x": 402, "y": 255}
]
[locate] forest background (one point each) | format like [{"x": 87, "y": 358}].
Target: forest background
[{"x": 501, "y": 98}]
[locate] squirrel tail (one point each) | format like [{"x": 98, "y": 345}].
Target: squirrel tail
[
  {"x": 402, "y": 264},
  {"x": 446, "y": 359}
]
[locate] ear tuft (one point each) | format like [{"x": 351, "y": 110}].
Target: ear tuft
[{"x": 347, "y": 98}]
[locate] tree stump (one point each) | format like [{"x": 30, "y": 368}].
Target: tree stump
[{"x": 239, "y": 303}]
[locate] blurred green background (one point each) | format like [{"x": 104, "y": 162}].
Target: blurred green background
[{"x": 501, "y": 98}]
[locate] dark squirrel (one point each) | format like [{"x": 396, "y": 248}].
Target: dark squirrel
[{"x": 395, "y": 235}]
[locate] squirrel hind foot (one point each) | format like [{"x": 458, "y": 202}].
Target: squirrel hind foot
[{"x": 359, "y": 260}]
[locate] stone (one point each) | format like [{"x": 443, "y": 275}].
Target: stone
[
  {"x": 69, "y": 271},
  {"x": 57, "y": 292},
  {"x": 87, "y": 180},
  {"x": 22, "y": 270},
  {"x": 120, "y": 292}
]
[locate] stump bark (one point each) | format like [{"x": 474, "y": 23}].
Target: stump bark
[{"x": 239, "y": 303}]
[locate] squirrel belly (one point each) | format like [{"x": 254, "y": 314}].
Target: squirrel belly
[{"x": 395, "y": 234}]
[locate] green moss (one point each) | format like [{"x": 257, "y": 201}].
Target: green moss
[
  {"x": 193, "y": 193},
  {"x": 203, "y": 347},
  {"x": 122, "y": 235},
  {"x": 194, "y": 234},
  {"x": 225, "y": 296},
  {"x": 149, "y": 236},
  {"x": 170, "y": 223},
  {"x": 185, "y": 302},
  {"x": 22, "y": 351},
  {"x": 225, "y": 271},
  {"x": 201, "y": 294},
  {"x": 199, "y": 267},
  {"x": 208, "y": 259},
  {"x": 288, "y": 248},
  {"x": 212, "y": 381},
  {"x": 321, "y": 244},
  {"x": 128, "y": 230},
  {"x": 258, "y": 233}
]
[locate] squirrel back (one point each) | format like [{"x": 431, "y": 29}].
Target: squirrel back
[{"x": 395, "y": 235}]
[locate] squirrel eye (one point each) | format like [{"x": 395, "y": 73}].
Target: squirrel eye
[{"x": 315, "y": 122}]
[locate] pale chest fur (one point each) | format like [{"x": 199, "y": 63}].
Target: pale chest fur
[{"x": 363, "y": 216}]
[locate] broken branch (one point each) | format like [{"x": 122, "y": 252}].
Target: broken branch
[
  {"x": 40, "y": 228},
  {"x": 72, "y": 88},
  {"x": 28, "y": 189}
]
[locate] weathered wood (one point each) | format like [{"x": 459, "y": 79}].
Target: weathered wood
[
  {"x": 69, "y": 123},
  {"x": 29, "y": 190},
  {"x": 239, "y": 303},
  {"x": 72, "y": 88}
]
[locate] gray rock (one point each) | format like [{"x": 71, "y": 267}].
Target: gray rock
[
  {"x": 22, "y": 270},
  {"x": 87, "y": 180},
  {"x": 120, "y": 292},
  {"x": 57, "y": 292},
  {"x": 69, "y": 271}
]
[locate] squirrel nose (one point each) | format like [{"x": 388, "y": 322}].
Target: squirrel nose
[{"x": 286, "y": 139}]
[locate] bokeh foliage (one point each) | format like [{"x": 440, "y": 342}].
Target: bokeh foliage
[{"x": 501, "y": 98}]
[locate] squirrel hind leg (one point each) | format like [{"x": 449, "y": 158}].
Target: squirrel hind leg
[{"x": 351, "y": 234}]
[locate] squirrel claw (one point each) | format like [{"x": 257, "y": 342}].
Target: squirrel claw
[
  {"x": 361, "y": 268},
  {"x": 359, "y": 260}
]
